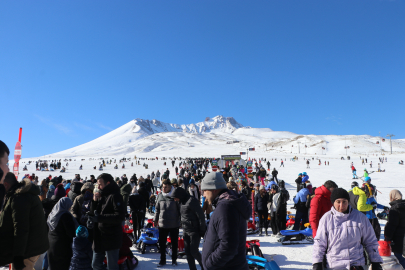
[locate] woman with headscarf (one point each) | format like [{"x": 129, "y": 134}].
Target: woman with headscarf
[
  {"x": 62, "y": 229},
  {"x": 395, "y": 228}
]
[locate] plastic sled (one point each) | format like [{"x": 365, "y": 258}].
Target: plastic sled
[
  {"x": 256, "y": 263},
  {"x": 251, "y": 228},
  {"x": 291, "y": 237},
  {"x": 180, "y": 246},
  {"x": 253, "y": 247},
  {"x": 148, "y": 240}
]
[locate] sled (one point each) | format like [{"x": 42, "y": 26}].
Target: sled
[
  {"x": 291, "y": 237},
  {"x": 181, "y": 253},
  {"x": 149, "y": 240},
  {"x": 256, "y": 263},
  {"x": 253, "y": 247}
]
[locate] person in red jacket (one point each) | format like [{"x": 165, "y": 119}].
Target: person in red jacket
[{"x": 320, "y": 204}]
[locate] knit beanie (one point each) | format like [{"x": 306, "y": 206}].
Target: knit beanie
[
  {"x": 395, "y": 195},
  {"x": 60, "y": 191},
  {"x": 261, "y": 187},
  {"x": 81, "y": 231},
  {"x": 339, "y": 193},
  {"x": 86, "y": 186},
  {"x": 213, "y": 181}
]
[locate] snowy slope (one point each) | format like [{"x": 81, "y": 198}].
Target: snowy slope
[{"x": 225, "y": 134}]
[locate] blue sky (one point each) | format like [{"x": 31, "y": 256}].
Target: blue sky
[{"x": 70, "y": 71}]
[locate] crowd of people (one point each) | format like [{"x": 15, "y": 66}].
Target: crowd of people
[{"x": 78, "y": 223}]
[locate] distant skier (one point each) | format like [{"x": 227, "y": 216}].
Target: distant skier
[
  {"x": 307, "y": 163},
  {"x": 371, "y": 164},
  {"x": 282, "y": 163}
]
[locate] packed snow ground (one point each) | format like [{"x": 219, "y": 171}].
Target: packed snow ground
[{"x": 288, "y": 257}]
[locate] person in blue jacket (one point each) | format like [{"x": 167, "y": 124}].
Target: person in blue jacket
[
  {"x": 368, "y": 189},
  {"x": 272, "y": 182},
  {"x": 302, "y": 210},
  {"x": 82, "y": 251}
]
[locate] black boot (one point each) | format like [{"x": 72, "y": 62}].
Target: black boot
[
  {"x": 267, "y": 233},
  {"x": 261, "y": 232}
]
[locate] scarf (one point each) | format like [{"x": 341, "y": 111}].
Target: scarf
[{"x": 395, "y": 195}]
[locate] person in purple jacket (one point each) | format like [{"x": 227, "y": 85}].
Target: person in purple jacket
[{"x": 342, "y": 234}]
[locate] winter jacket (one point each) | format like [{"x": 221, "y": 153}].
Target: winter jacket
[
  {"x": 305, "y": 178},
  {"x": 2, "y": 194},
  {"x": 156, "y": 181},
  {"x": 23, "y": 229},
  {"x": 75, "y": 190},
  {"x": 225, "y": 240},
  {"x": 148, "y": 185},
  {"x": 194, "y": 192},
  {"x": 192, "y": 215},
  {"x": 79, "y": 210},
  {"x": 248, "y": 192},
  {"x": 261, "y": 202},
  {"x": 167, "y": 211},
  {"x": 395, "y": 228},
  {"x": 137, "y": 203},
  {"x": 341, "y": 238},
  {"x": 301, "y": 195},
  {"x": 270, "y": 184},
  {"x": 320, "y": 204},
  {"x": 142, "y": 191},
  {"x": 60, "y": 243},
  {"x": 82, "y": 254},
  {"x": 125, "y": 192},
  {"x": 370, "y": 214},
  {"x": 274, "y": 173},
  {"x": 359, "y": 196},
  {"x": 111, "y": 211}
]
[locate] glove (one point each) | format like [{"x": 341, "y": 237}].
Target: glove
[
  {"x": 94, "y": 218},
  {"x": 376, "y": 266},
  {"x": 317, "y": 266},
  {"x": 18, "y": 263}
]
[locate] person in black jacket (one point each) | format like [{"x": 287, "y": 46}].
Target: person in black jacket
[
  {"x": 4, "y": 152},
  {"x": 75, "y": 190},
  {"x": 395, "y": 228},
  {"x": 225, "y": 240},
  {"x": 261, "y": 200},
  {"x": 108, "y": 211},
  {"x": 137, "y": 203},
  {"x": 193, "y": 223},
  {"x": 149, "y": 185},
  {"x": 298, "y": 181},
  {"x": 142, "y": 191},
  {"x": 274, "y": 174},
  {"x": 62, "y": 229}
]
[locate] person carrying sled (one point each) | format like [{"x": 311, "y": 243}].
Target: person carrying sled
[
  {"x": 193, "y": 224},
  {"x": 343, "y": 234},
  {"x": 225, "y": 240},
  {"x": 395, "y": 228},
  {"x": 320, "y": 204}
]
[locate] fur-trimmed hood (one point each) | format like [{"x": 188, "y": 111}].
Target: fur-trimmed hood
[{"x": 25, "y": 186}]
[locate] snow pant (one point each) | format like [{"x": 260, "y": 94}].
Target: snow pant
[
  {"x": 138, "y": 219},
  {"x": 400, "y": 259},
  {"x": 377, "y": 228},
  {"x": 263, "y": 219},
  {"x": 261, "y": 180},
  {"x": 282, "y": 217},
  {"x": 191, "y": 244},
  {"x": 29, "y": 263},
  {"x": 112, "y": 260},
  {"x": 275, "y": 179},
  {"x": 274, "y": 224},
  {"x": 298, "y": 217},
  {"x": 174, "y": 236}
]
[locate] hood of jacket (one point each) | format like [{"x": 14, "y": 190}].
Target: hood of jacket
[
  {"x": 239, "y": 201},
  {"x": 109, "y": 189},
  {"x": 305, "y": 178},
  {"x": 182, "y": 194},
  {"x": 26, "y": 186},
  {"x": 126, "y": 189},
  {"x": 323, "y": 191},
  {"x": 76, "y": 187},
  {"x": 399, "y": 204}
]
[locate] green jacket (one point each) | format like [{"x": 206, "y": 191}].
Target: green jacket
[
  {"x": 125, "y": 192},
  {"x": 23, "y": 228}
]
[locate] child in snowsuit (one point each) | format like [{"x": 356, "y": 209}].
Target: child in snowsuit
[{"x": 82, "y": 251}]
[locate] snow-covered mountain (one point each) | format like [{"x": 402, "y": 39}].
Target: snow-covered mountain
[{"x": 222, "y": 135}]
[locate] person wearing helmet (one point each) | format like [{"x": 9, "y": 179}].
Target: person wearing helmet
[{"x": 354, "y": 184}]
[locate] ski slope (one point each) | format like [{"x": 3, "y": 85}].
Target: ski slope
[{"x": 288, "y": 257}]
